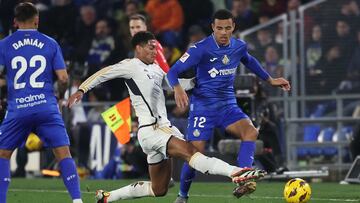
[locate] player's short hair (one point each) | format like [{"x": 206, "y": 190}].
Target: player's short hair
[
  {"x": 222, "y": 14},
  {"x": 142, "y": 38},
  {"x": 138, "y": 17},
  {"x": 25, "y": 11}
]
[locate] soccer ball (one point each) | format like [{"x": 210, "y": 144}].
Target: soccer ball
[{"x": 297, "y": 191}]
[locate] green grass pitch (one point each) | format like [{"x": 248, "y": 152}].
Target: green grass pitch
[{"x": 53, "y": 191}]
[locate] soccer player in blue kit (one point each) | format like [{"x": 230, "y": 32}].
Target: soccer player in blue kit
[
  {"x": 213, "y": 103},
  {"x": 30, "y": 60}
]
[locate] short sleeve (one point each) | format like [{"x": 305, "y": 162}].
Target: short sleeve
[{"x": 58, "y": 60}]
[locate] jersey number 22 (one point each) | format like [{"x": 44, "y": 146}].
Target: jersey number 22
[{"x": 23, "y": 67}]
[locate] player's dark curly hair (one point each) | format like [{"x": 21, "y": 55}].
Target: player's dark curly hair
[
  {"x": 142, "y": 38},
  {"x": 222, "y": 14},
  {"x": 25, "y": 11}
]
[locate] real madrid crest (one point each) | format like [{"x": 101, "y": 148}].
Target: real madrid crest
[
  {"x": 225, "y": 60},
  {"x": 196, "y": 133}
]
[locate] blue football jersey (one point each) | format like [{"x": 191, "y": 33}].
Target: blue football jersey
[
  {"x": 215, "y": 71},
  {"x": 30, "y": 59}
]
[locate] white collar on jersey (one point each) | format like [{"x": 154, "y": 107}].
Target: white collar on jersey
[
  {"x": 26, "y": 29},
  {"x": 213, "y": 36}
]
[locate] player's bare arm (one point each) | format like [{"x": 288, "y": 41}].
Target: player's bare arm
[
  {"x": 280, "y": 82},
  {"x": 181, "y": 97}
]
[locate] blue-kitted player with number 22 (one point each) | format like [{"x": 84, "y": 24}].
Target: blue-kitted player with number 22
[
  {"x": 213, "y": 102},
  {"x": 30, "y": 59}
]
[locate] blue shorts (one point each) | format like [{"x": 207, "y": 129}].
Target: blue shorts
[
  {"x": 48, "y": 126},
  {"x": 201, "y": 124}
]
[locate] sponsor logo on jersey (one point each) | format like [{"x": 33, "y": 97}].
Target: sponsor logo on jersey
[
  {"x": 196, "y": 133},
  {"x": 213, "y": 59},
  {"x": 184, "y": 57},
  {"x": 30, "y": 100},
  {"x": 214, "y": 72},
  {"x": 225, "y": 60}
]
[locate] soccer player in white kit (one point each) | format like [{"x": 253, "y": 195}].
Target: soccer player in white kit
[{"x": 157, "y": 137}]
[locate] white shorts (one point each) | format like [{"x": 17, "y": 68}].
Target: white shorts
[{"x": 154, "y": 141}]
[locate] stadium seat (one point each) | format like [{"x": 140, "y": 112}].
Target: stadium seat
[{"x": 232, "y": 146}]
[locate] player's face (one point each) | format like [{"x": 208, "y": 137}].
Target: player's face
[
  {"x": 147, "y": 53},
  {"x": 223, "y": 30},
  {"x": 136, "y": 26}
]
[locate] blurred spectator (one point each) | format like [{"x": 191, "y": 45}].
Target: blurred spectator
[
  {"x": 244, "y": 16},
  {"x": 195, "y": 14},
  {"x": 263, "y": 40},
  {"x": 350, "y": 12},
  {"x": 263, "y": 19},
  {"x": 195, "y": 34},
  {"x": 293, "y": 5},
  {"x": 344, "y": 39},
  {"x": 332, "y": 72},
  {"x": 167, "y": 17},
  {"x": 84, "y": 32},
  {"x": 101, "y": 46},
  {"x": 314, "y": 49},
  {"x": 272, "y": 8},
  {"x": 352, "y": 84},
  {"x": 272, "y": 62},
  {"x": 7, "y": 16},
  {"x": 274, "y": 67},
  {"x": 60, "y": 24},
  {"x": 123, "y": 17}
]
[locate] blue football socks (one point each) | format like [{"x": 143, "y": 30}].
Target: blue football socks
[
  {"x": 246, "y": 154},
  {"x": 4, "y": 178},
  {"x": 187, "y": 175},
  {"x": 70, "y": 177}
]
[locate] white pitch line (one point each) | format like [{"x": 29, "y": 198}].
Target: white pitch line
[{"x": 193, "y": 195}]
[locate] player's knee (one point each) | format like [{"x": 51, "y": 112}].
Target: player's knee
[
  {"x": 251, "y": 134},
  {"x": 190, "y": 150},
  {"x": 5, "y": 154},
  {"x": 160, "y": 191}
]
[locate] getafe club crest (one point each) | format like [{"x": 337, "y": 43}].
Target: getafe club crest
[
  {"x": 225, "y": 60},
  {"x": 196, "y": 133}
]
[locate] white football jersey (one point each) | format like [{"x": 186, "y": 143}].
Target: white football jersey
[{"x": 145, "y": 84}]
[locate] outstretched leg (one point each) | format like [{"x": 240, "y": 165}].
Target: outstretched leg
[
  {"x": 160, "y": 175},
  {"x": 210, "y": 165}
]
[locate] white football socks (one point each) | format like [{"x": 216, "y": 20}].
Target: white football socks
[
  {"x": 138, "y": 189},
  {"x": 77, "y": 201},
  {"x": 211, "y": 165}
]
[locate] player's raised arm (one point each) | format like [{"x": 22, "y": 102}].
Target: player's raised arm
[
  {"x": 253, "y": 64},
  {"x": 119, "y": 70}
]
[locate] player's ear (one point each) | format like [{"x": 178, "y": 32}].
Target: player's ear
[
  {"x": 213, "y": 26},
  {"x": 36, "y": 21}
]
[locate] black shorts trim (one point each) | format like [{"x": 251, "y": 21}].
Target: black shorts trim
[
  {"x": 157, "y": 162},
  {"x": 147, "y": 125},
  {"x": 167, "y": 143}
]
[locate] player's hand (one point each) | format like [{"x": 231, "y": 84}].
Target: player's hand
[
  {"x": 181, "y": 97},
  {"x": 280, "y": 82},
  {"x": 74, "y": 98}
]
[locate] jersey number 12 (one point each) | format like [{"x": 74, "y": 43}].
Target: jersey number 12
[
  {"x": 199, "y": 121},
  {"x": 23, "y": 67}
]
